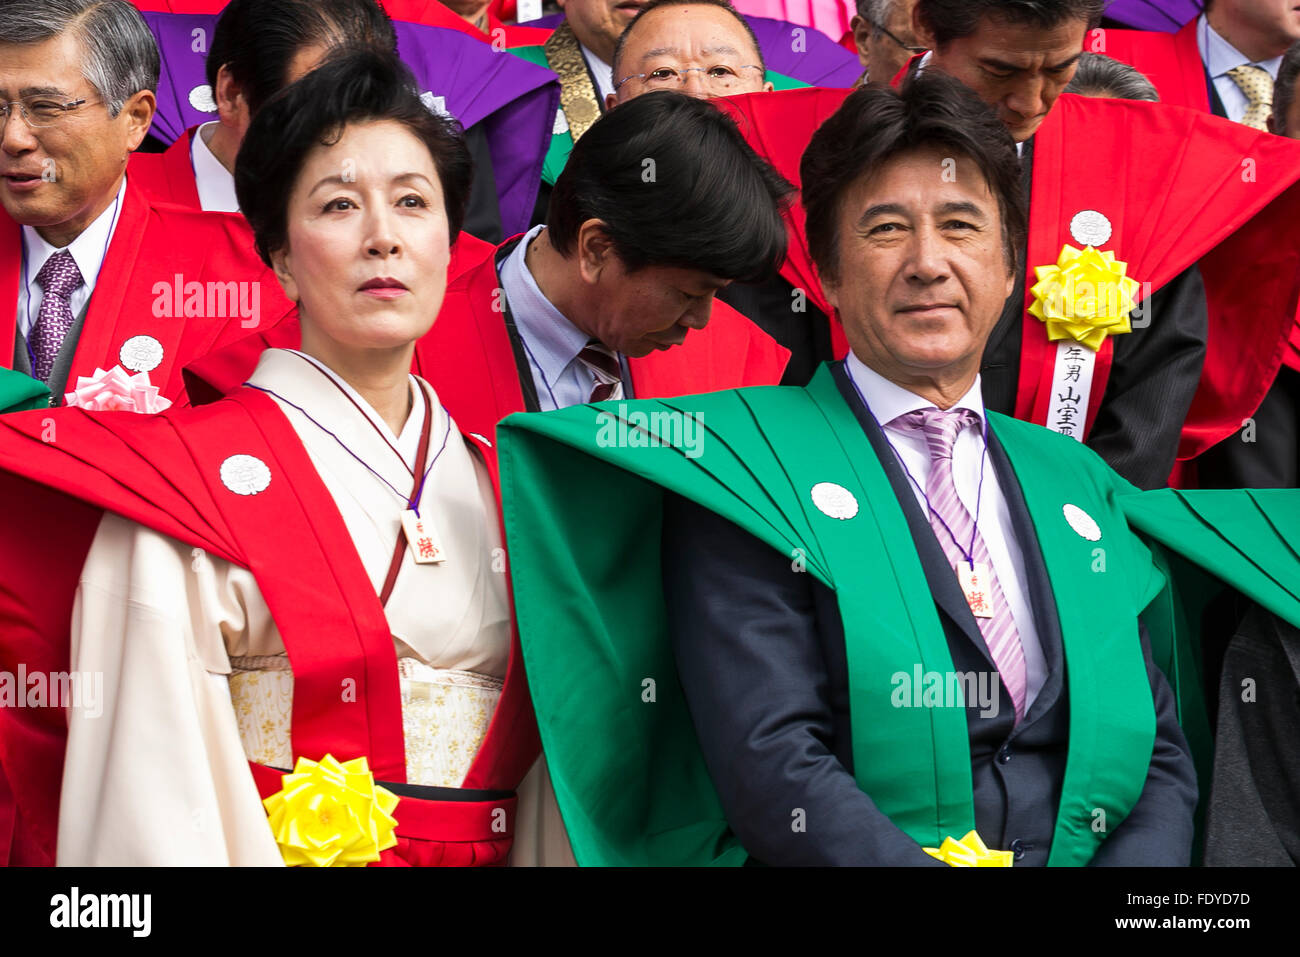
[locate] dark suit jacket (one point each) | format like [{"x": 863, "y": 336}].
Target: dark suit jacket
[
  {"x": 58, "y": 381},
  {"x": 760, "y": 652},
  {"x": 1254, "y": 812}
]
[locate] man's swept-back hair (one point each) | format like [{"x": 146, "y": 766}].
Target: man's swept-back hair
[
  {"x": 1099, "y": 75},
  {"x": 655, "y": 4},
  {"x": 675, "y": 184},
  {"x": 350, "y": 87},
  {"x": 256, "y": 40},
  {"x": 949, "y": 20},
  {"x": 873, "y": 126},
  {"x": 119, "y": 55},
  {"x": 1284, "y": 89}
]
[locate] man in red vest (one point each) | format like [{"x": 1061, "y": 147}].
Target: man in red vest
[
  {"x": 1226, "y": 62},
  {"x": 258, "y": 47},
  {"x": 1160, "y": 197},
  {"x": 94, "y": 274}
]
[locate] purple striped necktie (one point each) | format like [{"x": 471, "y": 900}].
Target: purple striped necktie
[
  {"x": 57, "y": 279},
  {"x": 947, "y": 509},
  {"x": 603, "y": 365}
]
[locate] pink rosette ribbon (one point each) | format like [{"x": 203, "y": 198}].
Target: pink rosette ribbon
[{"x": 116, "y": 391}]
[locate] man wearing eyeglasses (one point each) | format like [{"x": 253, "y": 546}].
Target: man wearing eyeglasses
[
  {"x": 581, "y": 50},
  {"x": 704, "y": 49},
  {"x": 882, "y": 32},
  {"x": 92, "y": 274}
]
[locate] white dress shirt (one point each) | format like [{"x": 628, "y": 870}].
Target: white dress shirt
[
  {"x": 1220, "y": 56},
  {"x": 886, "y": 401},
  {"x": 551, "y": 341},
  {"x": 216, "y": 184},
  {"x": 602, "y": 71},
  {"x": 88, "y": 251}
]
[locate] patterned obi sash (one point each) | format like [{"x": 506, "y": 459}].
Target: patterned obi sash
[{"x": 445, "y": 717}]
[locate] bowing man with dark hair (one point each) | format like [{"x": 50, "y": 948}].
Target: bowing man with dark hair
[
  {"x": 893, "y": 619},
  {"x": 660, "y": 206}
]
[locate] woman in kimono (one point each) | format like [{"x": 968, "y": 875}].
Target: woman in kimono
[{"x": 307, "y": 574}]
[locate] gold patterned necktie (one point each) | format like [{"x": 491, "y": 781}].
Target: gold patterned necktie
[{"x": 1257, "y": 86}]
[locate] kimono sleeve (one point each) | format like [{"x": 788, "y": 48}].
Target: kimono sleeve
[{"x": 155, "y": 773}]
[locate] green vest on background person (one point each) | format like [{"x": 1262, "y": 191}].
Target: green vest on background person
[{"x": 19, "y": 392}]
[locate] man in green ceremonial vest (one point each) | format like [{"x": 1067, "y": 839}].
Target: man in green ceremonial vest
[{"x": 847, "y": 623}]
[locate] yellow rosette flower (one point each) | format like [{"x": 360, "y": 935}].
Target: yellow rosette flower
[
  {"x": 970, "y": 851},
  {"x": 331, "y": 814},
  {"x": 1086, "y": 296}
]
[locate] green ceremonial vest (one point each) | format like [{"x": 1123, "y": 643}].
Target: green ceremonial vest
[
  {"x": 557, "y": 154},
  {"x": 19, "y": 392},
  {"x": 627, "y": 770}
]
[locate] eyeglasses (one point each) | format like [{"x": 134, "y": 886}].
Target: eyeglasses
[
  {"x": 885, "y": 30},
  {"x": 40, "y": 110},
  {"x": 718, "y": 78}
]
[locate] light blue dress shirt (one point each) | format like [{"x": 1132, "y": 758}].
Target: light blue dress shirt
[
  {"x": 551, "y": 341},
  {"x": 1220, "y": 56}
]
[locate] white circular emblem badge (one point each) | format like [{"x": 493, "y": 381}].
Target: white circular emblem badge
[
  {"x": 1081, "y": 522},
  {"x": 245, "y": 474},
  {"x": 1090, "y": 228},
  {"x": 201, "y": 99},
  {"x": 834, "y": 500},
  {"x": 141, "y": 353}
]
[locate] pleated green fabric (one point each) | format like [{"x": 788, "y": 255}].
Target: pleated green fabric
[{"x": 582, "y": 491}]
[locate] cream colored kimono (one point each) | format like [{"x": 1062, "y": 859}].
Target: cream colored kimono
[{"x": 196, "y": 680}]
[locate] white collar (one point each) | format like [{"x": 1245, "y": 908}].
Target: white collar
[
  {"x": 273, "y": 367},
  {"x": 215, "y": 184},
  {"x": 88, "y": 249},
  {"x": 888, "y": 400},
  {"x": 602, "y": 71}
]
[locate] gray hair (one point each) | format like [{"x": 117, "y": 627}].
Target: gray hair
[
  {"x": 1284, "y": 89},
  {"x": 1099, "y": 75},
  {"x": 119, "y": 55},
  {"x": 874, "y": 11}
]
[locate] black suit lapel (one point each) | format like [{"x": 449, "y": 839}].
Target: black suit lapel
[
  {"x": 1216, "y": 104},
  {"x": 1038, "y": 586},
  {"x": 526, "y": 384},
  {"x": 938, "y": 572}
]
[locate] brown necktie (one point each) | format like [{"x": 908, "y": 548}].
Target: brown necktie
[{"x": 601, "y": 361}]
